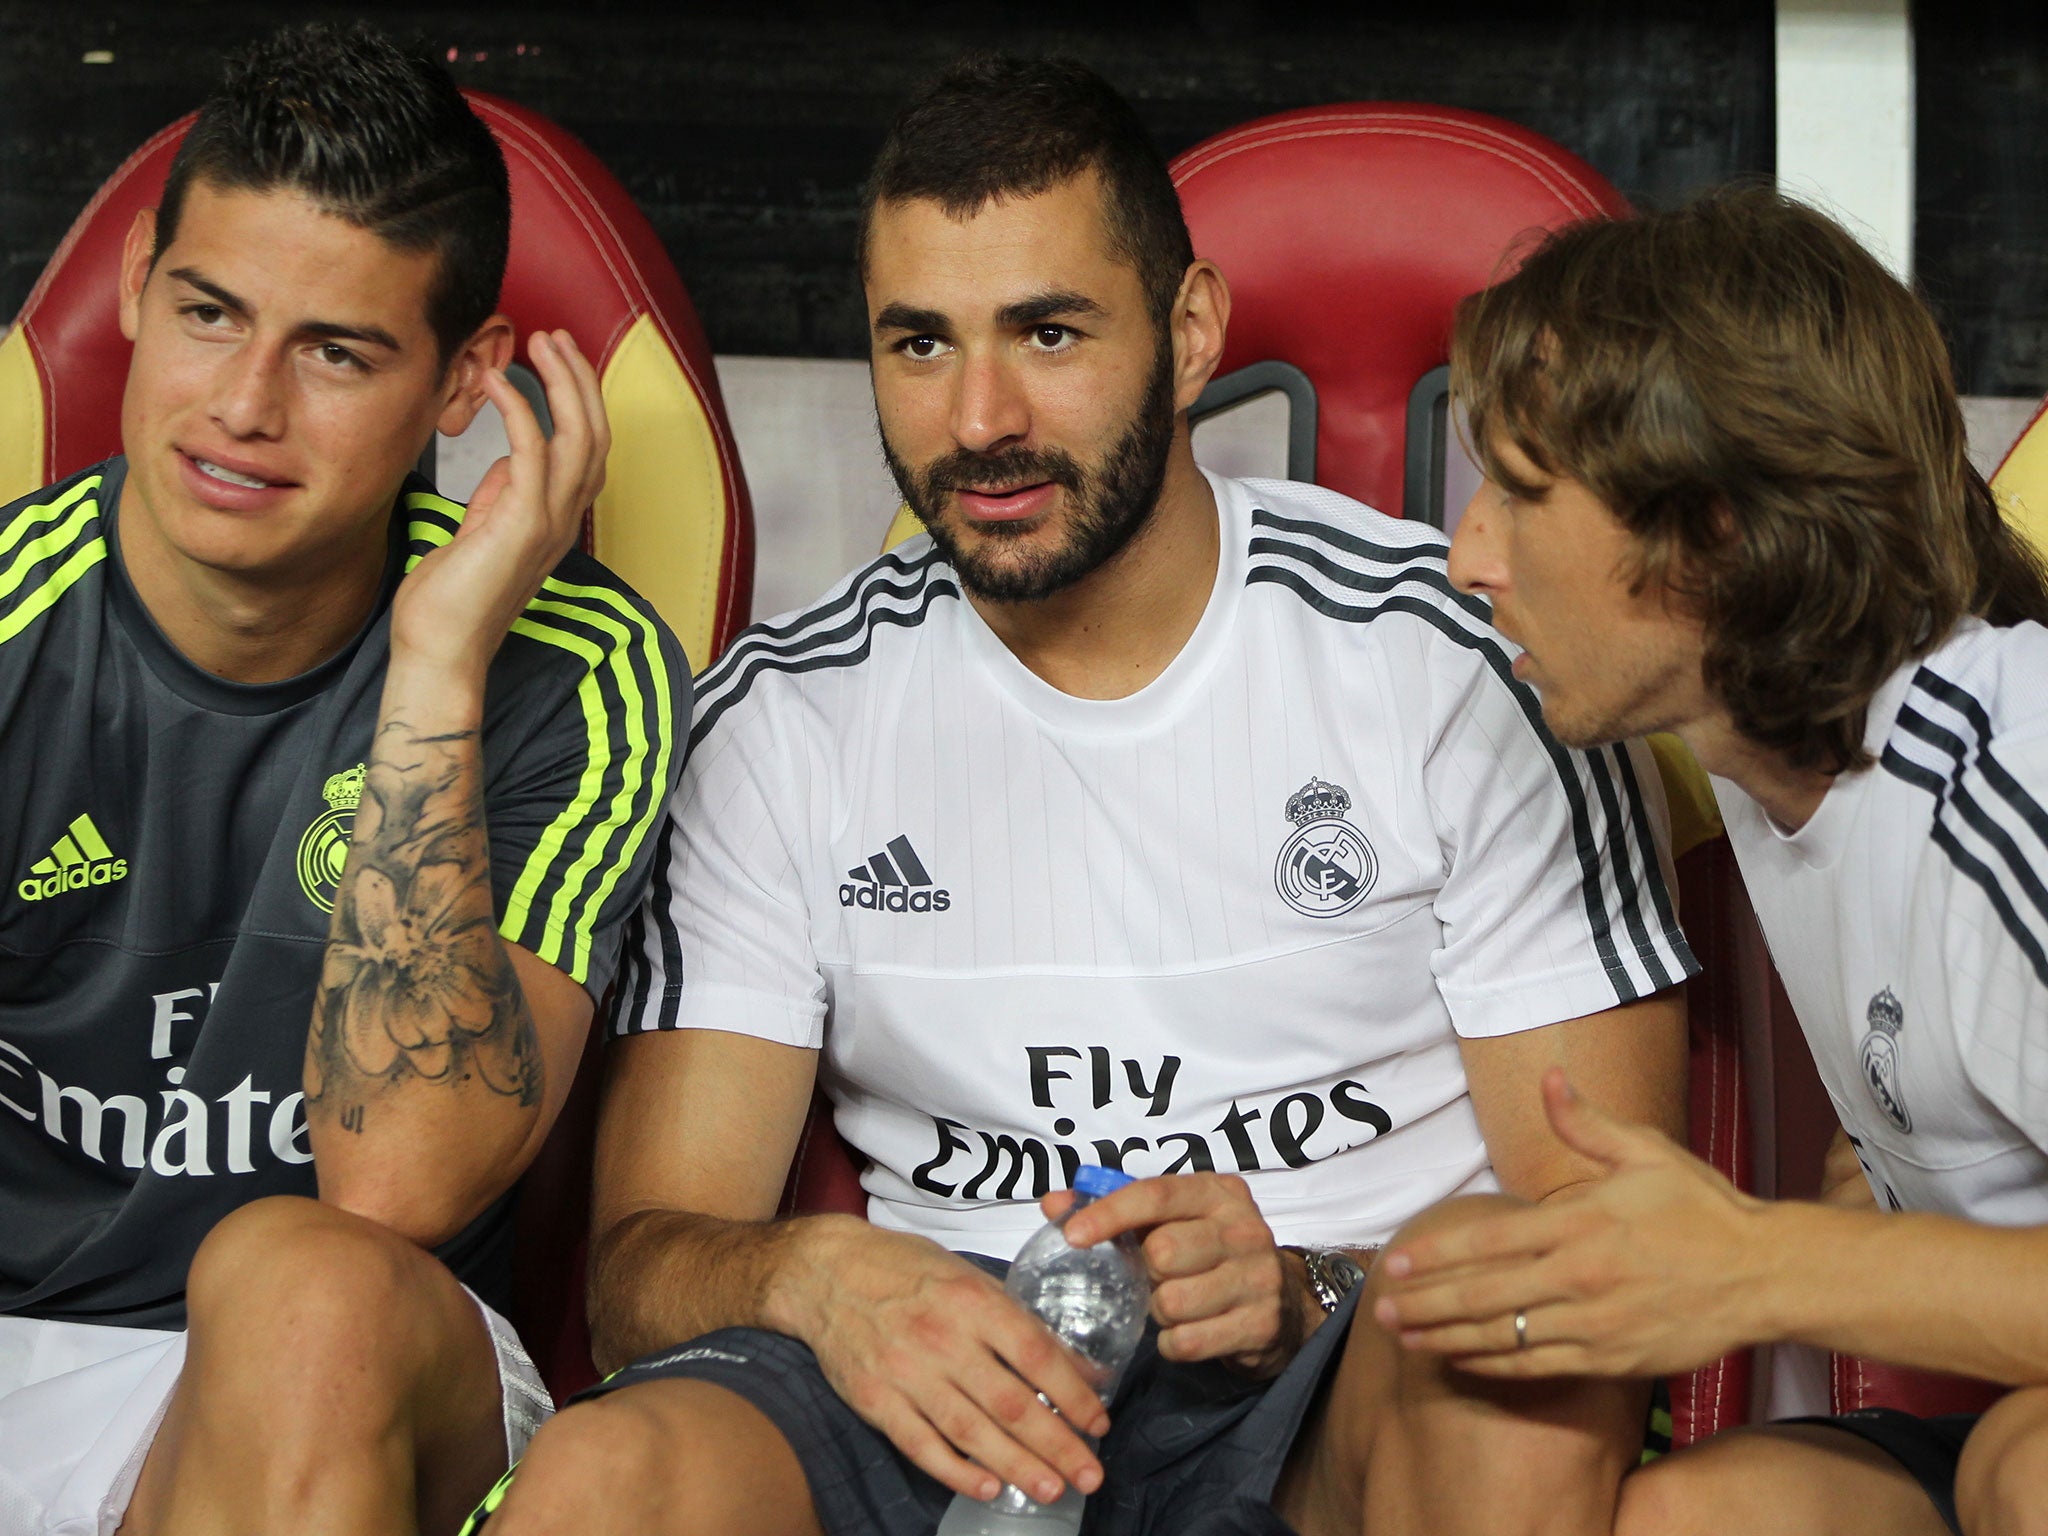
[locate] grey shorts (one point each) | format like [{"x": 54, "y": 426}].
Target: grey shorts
[{"x": 1192, "y": 1450}]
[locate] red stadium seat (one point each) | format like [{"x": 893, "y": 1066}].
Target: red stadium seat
[
  {"x": 673, "y": 517},
  {"x": 1348, "y": 234}
]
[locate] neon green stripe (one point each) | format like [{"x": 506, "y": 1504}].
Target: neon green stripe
[
  {"x": 635, "y": 779},
  {"x": 36, "y": 551},
  {"x": 47, "y": 511},
  {"x": 552, "y": 841},
  {"x": 37, "y": 601},
  {"x": 492, "y": 1500}
]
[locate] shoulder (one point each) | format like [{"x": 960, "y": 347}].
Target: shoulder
[
  {"x": 1352, "y": 566},
  {"x": 1976, "y": 707},
  {"x": 768, "y": 664},
  {"x": 1972, "y": 734},
  {"x": 585, "y": 620},
  {"x": 48, "y": 540}
]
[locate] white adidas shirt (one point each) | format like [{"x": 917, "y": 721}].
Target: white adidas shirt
[
  {"x": 1909, "y": 919},
  {"x": 1235, "y": 921}
]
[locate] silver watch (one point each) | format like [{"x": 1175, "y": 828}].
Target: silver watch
[{"x": 1332, "y": 1274}]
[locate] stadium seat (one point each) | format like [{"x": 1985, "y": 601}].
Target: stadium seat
[{"x": 673, "y": 517}]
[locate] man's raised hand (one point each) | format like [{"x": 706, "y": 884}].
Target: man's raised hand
[
  {"x": 1654, "y": 1268},
  {"x": 453, "y": 610},
  {"x": 934, "y": 1354}
]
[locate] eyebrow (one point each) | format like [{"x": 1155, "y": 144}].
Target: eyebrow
[
  {"x": 1036, "y": 310},
  {"x": 326, "y": 330},
  {"x": 1047, "y": 306},
  {"x": 901, "y": 317}
]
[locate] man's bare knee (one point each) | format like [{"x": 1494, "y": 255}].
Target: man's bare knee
[
  {"x": 1673, "y": 1496},
  {"x": 1457, "y": 1211},
  {"x": 664, "y": 1458},
  {"x": 288, "y": 1280},
  {"x": 2002, "y": 1480}
]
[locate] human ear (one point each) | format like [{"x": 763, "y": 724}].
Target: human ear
[
  {"x": 490, "y": 348},
  {"x": 138, "y": 254},
  {"x": 1197, "y": 323}
]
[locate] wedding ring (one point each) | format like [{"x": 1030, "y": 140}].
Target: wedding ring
[{"x": 1521, "y": 1330}]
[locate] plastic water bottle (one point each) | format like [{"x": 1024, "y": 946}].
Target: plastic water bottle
[{"x": 1095, "y": 1300}]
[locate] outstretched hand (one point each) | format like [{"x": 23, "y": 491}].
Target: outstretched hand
[
  {"x": 454, "y": 608},
  {"x": 1655, "y": 1267}
]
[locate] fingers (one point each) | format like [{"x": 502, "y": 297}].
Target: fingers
[
  {"x": 1524, "y": 1234},
  {"x": 1029, "y": 1349},
  {"x": 1480, "y": 1295},
  {"x": 1586, "y": 1128},
  {"x": 576, "y": 454},
  {"x": 1151, "y": 1202}
]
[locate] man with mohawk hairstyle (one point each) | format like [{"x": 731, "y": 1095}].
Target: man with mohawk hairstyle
[{"x": 335, "y": 864}]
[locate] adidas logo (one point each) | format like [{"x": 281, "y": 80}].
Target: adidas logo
[
  {"x": 80, "y": 858},
  {"x": 894, "y": 880}
]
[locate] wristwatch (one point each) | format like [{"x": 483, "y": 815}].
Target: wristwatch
[{"x": 1332, "y": 1274}]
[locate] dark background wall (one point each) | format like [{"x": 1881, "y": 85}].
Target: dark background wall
[
  {"x": 1982, "y": 184},
  {"x": 744, "y": 131}
]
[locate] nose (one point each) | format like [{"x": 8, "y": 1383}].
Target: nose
[
  {"x": 990, "y": 410},
  {"x": 1477, "y": 565},
  {"x": 249, "y": 397}
]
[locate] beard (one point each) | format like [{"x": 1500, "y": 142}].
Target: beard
[{"x": 1106, "y": 503}]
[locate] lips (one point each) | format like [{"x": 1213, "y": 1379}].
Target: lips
[
  {"x": 1007, "y": 506},
  {"x": 234, "y": 486}
]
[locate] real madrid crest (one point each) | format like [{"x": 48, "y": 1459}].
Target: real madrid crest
[
  {"x": 1881, "y": 1059},
  {"x": 323, "y": 851},
  {"x": 1327, "y": 867}
]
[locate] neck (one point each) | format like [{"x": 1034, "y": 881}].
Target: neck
[
  {"x": 1115, "y": 630},
  {"x": 256, "y": 627},
  {"x": 1789, "y": 795}
]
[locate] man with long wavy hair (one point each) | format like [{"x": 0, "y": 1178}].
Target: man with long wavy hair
[{"x": 1727, "y": 496}]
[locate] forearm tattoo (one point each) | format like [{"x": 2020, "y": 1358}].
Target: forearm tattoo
[{"x": 416, "y": 982}]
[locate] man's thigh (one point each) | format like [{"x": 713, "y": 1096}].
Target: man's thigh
[
  {"x": 1792, "y": 1479},
  {"x": 1402, "y": 1441},
  {"x": 743, "y": 1417}
]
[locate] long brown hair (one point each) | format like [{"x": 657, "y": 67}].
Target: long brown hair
[{"x": 1774, "y": 417}]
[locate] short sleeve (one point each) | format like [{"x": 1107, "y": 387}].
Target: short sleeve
[
  {"x": 1991, "y": 835},
  {"x": 724, "y": 940},
  {"x": 584, "y": 736},
  {"x": 1555, "y": 902}
]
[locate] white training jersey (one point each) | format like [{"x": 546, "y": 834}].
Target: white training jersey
[
  {"x": 1909, "y": 919},
  {"x": 1235, "y": 921}
]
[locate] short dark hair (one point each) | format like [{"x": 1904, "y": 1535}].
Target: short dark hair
[
  {"x": 994, "y": 127},
  {"x": 375, "y": 135},
  {"x": 1773, "y": 416}
]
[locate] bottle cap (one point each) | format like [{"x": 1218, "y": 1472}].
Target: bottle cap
[{"x": 1098, "y": 1182}]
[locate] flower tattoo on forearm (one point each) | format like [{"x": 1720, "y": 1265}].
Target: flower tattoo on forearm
[{"x": 416, "y": 982}]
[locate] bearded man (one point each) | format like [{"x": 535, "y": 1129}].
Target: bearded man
[{"x": 1131, "y": 815}]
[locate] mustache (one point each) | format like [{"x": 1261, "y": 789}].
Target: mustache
[{"x": 964, "y": 469}]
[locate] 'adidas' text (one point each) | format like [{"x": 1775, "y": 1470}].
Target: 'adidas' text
[
  {"x": 80, "y": 858},
  {"x": 894, "y": 880}
]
